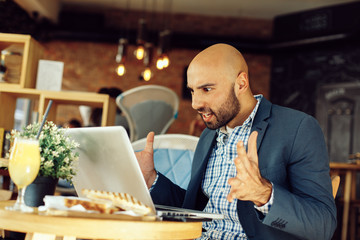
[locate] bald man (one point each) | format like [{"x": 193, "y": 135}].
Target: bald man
[{"x": 263, "y": 166}]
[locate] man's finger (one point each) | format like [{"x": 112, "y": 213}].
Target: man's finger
[
  {"x": 252, "y": 148},
  {"x": 241, "y": 162},
  {"x": 240, "y": 149},
  {"x": 149, "y": 142},
  {"x": 235, "y": 184},
  {"x": 240, "y": 165},
  {"x": 230, "y": 197}
]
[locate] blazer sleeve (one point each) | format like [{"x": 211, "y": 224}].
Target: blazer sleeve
[
  {"x": 167, "y": 193},
  {"x": 303, "y": 202}
]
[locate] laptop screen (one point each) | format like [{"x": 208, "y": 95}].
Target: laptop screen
[{"x": 107, "y": 162}]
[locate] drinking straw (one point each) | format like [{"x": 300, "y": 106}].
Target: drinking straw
[{"x": 44, "y": 118}]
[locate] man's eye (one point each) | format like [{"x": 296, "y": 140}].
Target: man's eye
[{"x": 207, "y": 89}]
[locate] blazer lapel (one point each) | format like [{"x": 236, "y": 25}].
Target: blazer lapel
[{"x": 260, "y": 124}]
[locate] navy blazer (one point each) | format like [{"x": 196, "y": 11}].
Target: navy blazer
[{"x": 293, "y": 156}]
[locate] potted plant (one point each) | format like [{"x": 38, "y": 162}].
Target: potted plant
[{"x": 58, "y": 156}]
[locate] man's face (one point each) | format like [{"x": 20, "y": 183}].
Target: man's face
[{"x": 216, "y": 103}]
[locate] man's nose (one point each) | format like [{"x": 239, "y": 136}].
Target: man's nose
[{"x": 196, "y": 102}]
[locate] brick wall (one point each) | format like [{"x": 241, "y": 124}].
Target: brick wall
[{"x": 89, "y": 66}]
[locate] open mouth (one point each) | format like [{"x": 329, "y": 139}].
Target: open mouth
[{"x": 207, "y": 116}]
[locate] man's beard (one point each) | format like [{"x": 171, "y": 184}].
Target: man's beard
[{"x": 227, "y": 112}]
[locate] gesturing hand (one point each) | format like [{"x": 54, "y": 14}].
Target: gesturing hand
[
  {"x": 146, "y": 160},
  {"x": 248, "y": 184}
]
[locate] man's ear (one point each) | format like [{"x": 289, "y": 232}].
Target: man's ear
[{"x": 242, "y": 82}]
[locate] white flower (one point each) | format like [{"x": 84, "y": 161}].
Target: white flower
[
  {"x": 55, "y": 153},
  {"x": 61, "y": 149},
  {"x": 48, "y": 164}
]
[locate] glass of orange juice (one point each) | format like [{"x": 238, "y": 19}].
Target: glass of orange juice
[{"x": 24, "y": 165}]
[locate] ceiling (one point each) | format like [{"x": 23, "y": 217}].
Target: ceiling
[
  {"x": 259, "y": 9},
  {"x": 263, "y": 9}
]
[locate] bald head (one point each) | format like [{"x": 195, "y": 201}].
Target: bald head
[
  {"x": 218, "y": 81},
  {"x": 220, "y": 59}
]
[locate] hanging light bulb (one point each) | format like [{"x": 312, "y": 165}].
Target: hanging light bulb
[
  {"x": 162, "y": 62},
  {"x": 140, "y": 52},
  {"x": 120, "y": 70},
  {"x": 147, "y": 74},
  {"x": 121, "y": 56},
  {"x": 140, "y": 40},
  {"x": 164, "y": 43},
  {"x": 166, "y": 61},
  {"x": 159, "y": 63}
]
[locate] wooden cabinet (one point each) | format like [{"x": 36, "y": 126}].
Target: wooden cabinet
[
  {"x": 8, "y": 96},
  {"x": 23, "y": 54}
]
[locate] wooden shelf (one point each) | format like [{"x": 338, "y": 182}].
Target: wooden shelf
[
  {"x": 31, "y": 52},
  {"x": 8, "y": 96}
]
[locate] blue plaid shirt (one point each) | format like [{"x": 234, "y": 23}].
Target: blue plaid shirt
[{"x": 215, "y": 185}]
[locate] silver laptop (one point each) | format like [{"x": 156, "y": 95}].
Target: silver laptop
[{"x": 107, "y": 162}]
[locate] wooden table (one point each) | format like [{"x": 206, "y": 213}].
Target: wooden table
[
  {"x": 69, "y": 228},
  {"x": 349, "y": 170}
]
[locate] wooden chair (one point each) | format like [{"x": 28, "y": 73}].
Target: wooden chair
[{"x": 335, "y": 181}]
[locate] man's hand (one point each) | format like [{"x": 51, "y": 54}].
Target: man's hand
[
  {"x": 146, "y": 160},
  {"x": 248, "y": 185}
]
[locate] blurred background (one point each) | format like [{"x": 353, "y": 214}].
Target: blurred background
[{"x": 303, "y": 54}]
